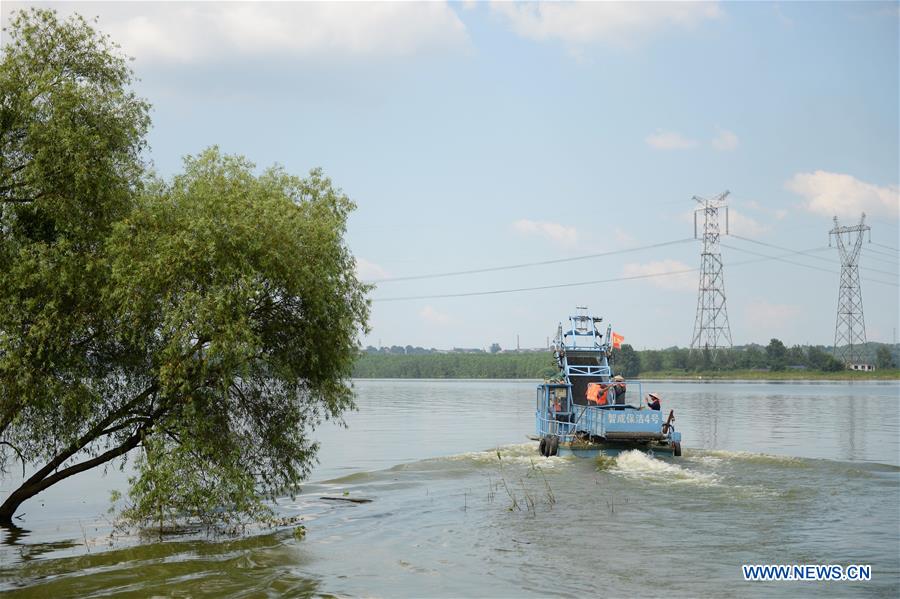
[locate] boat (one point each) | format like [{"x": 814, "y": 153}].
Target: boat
[{"x": 585, "y": 410}]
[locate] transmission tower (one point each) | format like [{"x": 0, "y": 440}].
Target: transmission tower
[
  {"x": 850, "y": 327},
  {"x": 711, "y": 330}
]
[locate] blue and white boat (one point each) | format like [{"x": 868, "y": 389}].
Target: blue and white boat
[{"x": 585, "y": 410}]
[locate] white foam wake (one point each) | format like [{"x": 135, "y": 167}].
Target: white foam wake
[
  {"x": 754, "y": 457},
  {"x": 637, "y": 464},
  {"x": 523, "y": 454}
]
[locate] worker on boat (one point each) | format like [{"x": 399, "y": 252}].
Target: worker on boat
[
  {"x": 597, "y": 393},
  {"x": 618, "y": 389},
  {"x": 558, "y": 400},
  {"x": 653, "y": 401}
]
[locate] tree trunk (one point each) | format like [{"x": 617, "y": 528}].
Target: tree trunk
[{"x": 36, "y": 483}]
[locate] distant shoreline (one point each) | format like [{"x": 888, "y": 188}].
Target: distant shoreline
[
  {"x": 782, "y": 375},
  {"x": 539, "y": 366},
  {"x": 892, "y": 376}
]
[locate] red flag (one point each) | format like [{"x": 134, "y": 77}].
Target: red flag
[{"x": 617, "y": 340}]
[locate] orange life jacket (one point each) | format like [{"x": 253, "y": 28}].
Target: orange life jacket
[{"x": 596, "y": 393}]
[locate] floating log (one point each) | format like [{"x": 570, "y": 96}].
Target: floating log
[{"x": 350, "y": 499}]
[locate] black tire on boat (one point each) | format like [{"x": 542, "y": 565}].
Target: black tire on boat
[
  {"x": 552, "y": 446},
  {"x": 542, "y": 446},
  {"x": 676, "y": 449}
]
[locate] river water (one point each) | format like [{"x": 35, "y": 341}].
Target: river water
[{"x": 463, "y": 505}]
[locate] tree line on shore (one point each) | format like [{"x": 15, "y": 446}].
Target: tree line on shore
[{"x": 774, "y": 357}]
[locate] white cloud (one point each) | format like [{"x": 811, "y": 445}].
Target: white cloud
[
  {"x": 891, "y": 12},
  {"x": 835, "y": 194},
  {"x": 738, "y": 222},
  {"x": 622, "y": 237},
  {"x": 762, "y": 315},
  {"x": 785, "y": 20},
  {"x": 741, "y": 224},
  {"x": 432, "y": 316},
  {"x": 623, "y": 23},
  {"x": 685, "y": 281},
  {"x": 204, "y": 32},
  {"x": 369, "y": 271},
  {"x": 725, "y": 141},
  {"x": 555, "y": 232},
  {"x": 777, "y": 214},
  {"x": 669, "y": 140}
]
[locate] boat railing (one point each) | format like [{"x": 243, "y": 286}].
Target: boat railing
[
  {"x": 566, "y": 419},
  {"x": 552, "y": 426},
  {"x": 587, "y": 370}
]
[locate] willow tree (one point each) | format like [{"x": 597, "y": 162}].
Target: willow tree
[{"x": 208, "y": 321}]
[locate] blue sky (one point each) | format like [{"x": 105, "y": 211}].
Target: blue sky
[{"x": 476, "y": 135}]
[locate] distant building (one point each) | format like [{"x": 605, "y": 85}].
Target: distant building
[{"x": 861, "y": 367}]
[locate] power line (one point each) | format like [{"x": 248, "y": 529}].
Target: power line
[
  {"x": 778, "y": 247},
  {"x": 781, "y": 259},
  {"x": 623, "y": 251},
  {"x": 887, "y": 247},
  {"x": 537, "y": 288},
  {"x": 881, "y": 257},
  {"x": 885, "y": 222},
  {"x": 527, "y": 264},
  {"x": 764, "y": 258},
  {"x": 869, "y": 248}
]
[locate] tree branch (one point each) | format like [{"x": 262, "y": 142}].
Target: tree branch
[
  {"x": 125, "y": 447},
  {"x": 124, "y": 424},
  {"x": 33, "y": 485},
  {"x": 88, "y": 437},
  {"x": 21, "y": 200},
  {"x": 18, "y": 452}
]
